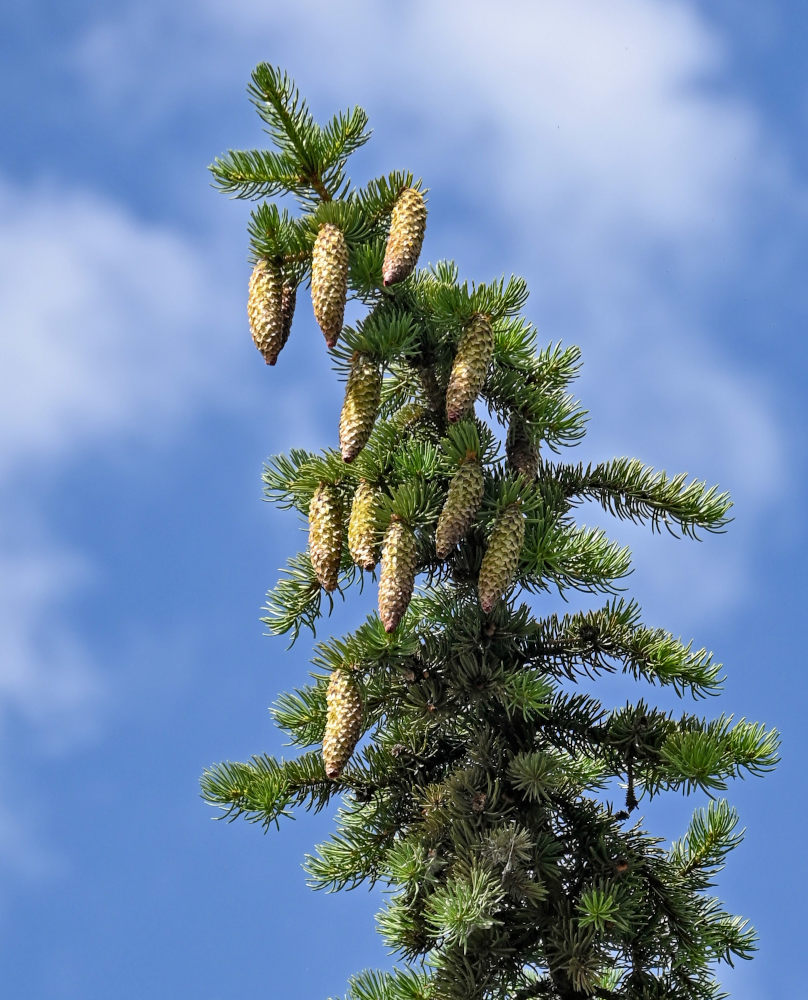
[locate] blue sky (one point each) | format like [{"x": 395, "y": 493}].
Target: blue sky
[{"x": 642, "y": 163}]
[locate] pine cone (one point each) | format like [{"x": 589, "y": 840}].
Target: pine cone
[
  {"x": 362, "y": 394},
  {"x": 325, "y": 535},
  {"x": 288, "y": 303},
  {"x": 462, "y": 503},
  {"x": 398, "y": 573},
  {"x": 435, "y": 396},
  {"x": 362, "y": 526},
  {"x": 408, "y": 414},
  {"x": 329, "y": 281},
  {"x": 406, "y": 238},
  {"x": 343, "y": 722},
  {"x": 521, "y": 452},
  {"x": 470, "y": 367},
  {"x": 265, "y": 310},
  {"x": 501, "y": 559}
]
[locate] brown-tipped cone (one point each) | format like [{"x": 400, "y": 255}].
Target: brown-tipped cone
[
  {"x": 343, "y": 722},
  {"x": 329, "y": 281},
  {"x": 325, "y": 535},
  {"x": 462, "y": 503},
  {"x": 398, "y": 573},
  {"x": 407, "y": 227},
  {"x": 265, "y": 310},
  {"x": 362, "y": 394},
  {"x": 501, "y": 559},
  {"x": 288, "y": 303},
  {"x": 521, "y": 452},
  {"x": 470, "y": 367},
  {"x": 362, "y": 526}
]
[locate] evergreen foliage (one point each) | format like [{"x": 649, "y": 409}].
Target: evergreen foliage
[{"x": 491, "y": 792}]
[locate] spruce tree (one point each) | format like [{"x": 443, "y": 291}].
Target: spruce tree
[{"x": 480, "y": 777}]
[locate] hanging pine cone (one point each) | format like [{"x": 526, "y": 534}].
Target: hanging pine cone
[
  {"x": 362, "y": 525},
  {"x": 343, "y": 722},
  {"x": 362, "y": 394},
  {"x": 265, "y": 310},
  {"x": 501, "y": 559},
  {"x": 521, "y": 452},
  {"x": 408, "y": 414},
  {"x": 288, "y": 303},
  {"x": 329, "y": 281},
  {"x": 398, "y": 573},
  {"x": 406, "y": 238},
  {"x": 325, "y": 535},
  {"x": 470, "y": 367},
  {"x": 462, "y": 503}
]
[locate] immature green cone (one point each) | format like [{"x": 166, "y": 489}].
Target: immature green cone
[
  {"x": 329, "y": 281},
  {"x": 398, "y": 573},
  {"x": 288, "y": 303},
  {"x": 343, "y": 722},
  {"x": 362, "y": 394},
  {"x": 265, "y": 310},
  {"x": 408, "y": 414},
  {"x": 407, "y": 227},
  {"x": 501, "y": 559},
  {"x": 470, "y": 367},
  {"x": 521, "y": 452},
  {"x": 325, "y": 535},
  {"x": 462, "y": 503},
  {"x": 362, "y": 525}
]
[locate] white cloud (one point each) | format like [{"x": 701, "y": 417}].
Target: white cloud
[
  {"x": 593, "y": 148},
  {"x": 111, "y": 326},
  {"x": 114, "y": 335},
  {"x": 111, "y": 339},
  {"x": 46, "y": 677}
]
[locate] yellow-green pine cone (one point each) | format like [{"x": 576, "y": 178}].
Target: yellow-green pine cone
[
  {"x": 407, "y": 227},
  {"x": 362, "y": 525},
  {"x": 470, "y": 367},
  {"x": 343, "y": 722},
  {"x": 329, "y": 281},
  {"x": 408, "y": 414},
  {"x": 462, "y": 503},
  {"x": 265, "y": 310},
  {"x": 501, "y": 559},
  {"x": 521, "y": 452},
  {"x": 398, "y": 573},
  {"x": 362, "y": 394},
  {"x": 288, "y": 303},
  {"x": 325, "y": 535}
]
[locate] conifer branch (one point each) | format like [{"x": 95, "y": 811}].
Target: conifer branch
[{"x": 475, "y": 769}]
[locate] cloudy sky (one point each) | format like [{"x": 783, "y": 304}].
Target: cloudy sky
[{"x": 641, "y": 162}]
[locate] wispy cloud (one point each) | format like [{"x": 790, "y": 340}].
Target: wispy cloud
[
  {"x": 614, "y": 171},
  {"x": 112, "y": 326},
  {"x": 598, "y": 150}
]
